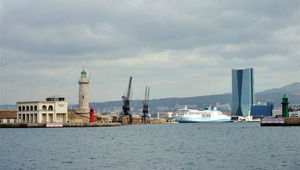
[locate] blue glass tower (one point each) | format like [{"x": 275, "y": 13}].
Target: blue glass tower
[{"x": 243, "y": 96}]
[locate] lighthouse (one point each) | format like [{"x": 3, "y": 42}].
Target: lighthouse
[
  {"x": 83, "y": 104},
  {"x": 285, "y": 106}
]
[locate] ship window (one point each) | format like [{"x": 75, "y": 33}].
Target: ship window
[{"x": 182, "y": 112}]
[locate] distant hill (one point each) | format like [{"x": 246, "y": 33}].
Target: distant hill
[
  {"x": 200, "y": 101},
  {"x": 272, "y": 95},
  {"x": 275, "y": 95},
  {"x": 293, "y": 88}
]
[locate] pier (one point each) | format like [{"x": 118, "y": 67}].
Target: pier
[
  {"x": 282, "y": 121},
  {"x": 43, "y": 125}
]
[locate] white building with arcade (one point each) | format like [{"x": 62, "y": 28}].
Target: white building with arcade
[{"x": 54, "y": 109}]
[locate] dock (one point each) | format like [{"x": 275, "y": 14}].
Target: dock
[
  {"x": 43, "y": 125},
  {"x": 281, "y": 121}
]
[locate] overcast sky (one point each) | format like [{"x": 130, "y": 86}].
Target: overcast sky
[{"x": 178, "y": 48}]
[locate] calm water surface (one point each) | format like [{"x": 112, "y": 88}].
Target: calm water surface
[{"x": 165, "y": 146}]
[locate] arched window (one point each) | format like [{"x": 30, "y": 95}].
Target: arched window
[
  {"x": 23, "y": 108},
  {"x": 27, "y": 108},
  {"x": 50, "y": 108},
  {"x": 44, "y": 107},
  {"x": 35, "y": 108},
  {"x": 20, "y": 108},
  {"x": 31, "y": 108}
]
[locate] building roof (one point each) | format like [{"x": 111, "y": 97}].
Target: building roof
[
  {"x": 284, "y": 97},
  {"x": 8, "y": 114},
  {"x": 56, "y": 96},
  {"x": 34, "y": 102}
]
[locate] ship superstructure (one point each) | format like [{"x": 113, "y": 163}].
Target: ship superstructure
[{"x": 208, "y": 115}]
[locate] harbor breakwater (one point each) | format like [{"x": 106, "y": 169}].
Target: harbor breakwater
[{"x": 43, "y": 125}]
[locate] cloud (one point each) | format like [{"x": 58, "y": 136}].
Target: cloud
[{"x": 178, "y": 48}]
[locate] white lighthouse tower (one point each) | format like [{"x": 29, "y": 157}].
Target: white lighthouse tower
[{"x": 83, "y": 105}]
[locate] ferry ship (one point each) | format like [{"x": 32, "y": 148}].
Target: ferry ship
[{"x": 208, "y": 115}]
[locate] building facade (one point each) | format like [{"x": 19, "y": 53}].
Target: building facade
[
  {"x": 83, "y": 104},
  {"x": 258, "y": 111},
  {"x": 8, "y": 116},
  {"x": 243, "y": 95},
  {"x": 54, "y": 109}
]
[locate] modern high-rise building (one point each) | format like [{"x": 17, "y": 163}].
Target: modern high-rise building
[{"x": 243, "y": 95}]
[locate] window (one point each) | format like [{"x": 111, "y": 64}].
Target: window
[
  {"x": 31, "y": 108},
  {"x": 20, "y": 109},
  {"x": 50, "y": 108},
  {"x": 44, "y": 107},
  {"x": 23, "y": 108},
  {"x": 27, "y": 108},
  {"x": 35, "y": 108}
]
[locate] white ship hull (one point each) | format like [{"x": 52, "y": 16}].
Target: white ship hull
[{"x": 206, "y": 116}]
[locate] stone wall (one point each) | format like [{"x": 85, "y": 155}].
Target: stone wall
[{"x": 77, "y": 118}]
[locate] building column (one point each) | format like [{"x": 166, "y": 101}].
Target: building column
[
  {"x": 38, "y": 119},
  {"x": 54, "y": 116},
  {"x": 26, "y": 118},
  {"x": 66, "y": 118},
  {"x": 33, "y": 119}
]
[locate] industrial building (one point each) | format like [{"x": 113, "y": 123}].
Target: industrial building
[
  {"x": 243, "y": 95},
  {"x": 258, "y": 111},
  {"x": 54, "y": 109}
]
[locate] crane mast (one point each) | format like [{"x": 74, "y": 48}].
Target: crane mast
[
  {"x": 126, "y": 102},
  {"x": 146, "y": 105}
]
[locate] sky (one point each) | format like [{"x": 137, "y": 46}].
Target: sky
[{"x": 178, "y": 48}]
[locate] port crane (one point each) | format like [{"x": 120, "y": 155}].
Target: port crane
[
  {"x": 146, "y": 105},
  {"x": 126, "y": 101}
]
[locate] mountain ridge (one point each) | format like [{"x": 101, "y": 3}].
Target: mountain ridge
[{"x": 273, "y": 95}]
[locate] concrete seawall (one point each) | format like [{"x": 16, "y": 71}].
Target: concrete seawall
[
  {"x": 283, "y": 122},
  {"x": 43, "y": 125}
]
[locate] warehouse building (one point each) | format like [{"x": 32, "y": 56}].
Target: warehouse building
[
  {"x": 258, "y": 111},
  {"x": 8, "y": 116}
]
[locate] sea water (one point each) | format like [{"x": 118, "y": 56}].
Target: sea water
[{"x": 160, "y": 146}]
